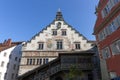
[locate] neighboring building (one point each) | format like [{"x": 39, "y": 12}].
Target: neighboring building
[
  {"x": 107, "y": 32},
  {"x": 55, "y": 38},
  {"x": 10, "y": 54},
  {"x": 74, "y": 65}
]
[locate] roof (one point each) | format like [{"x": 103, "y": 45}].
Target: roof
[
  {"x": 59, "y": 17},
  {"x": 8, "y": 44}
]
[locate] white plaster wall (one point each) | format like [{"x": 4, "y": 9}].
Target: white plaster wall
[
  {"x": 14, "y": 52},
  {"x": 30, "y": 49},
  {"x": 68, "y": 40}
]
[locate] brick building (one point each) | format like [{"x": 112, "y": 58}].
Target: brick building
[{"x": 107, "y": 33}]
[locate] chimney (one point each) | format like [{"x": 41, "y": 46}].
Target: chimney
[{"x": 8, "y": 43}]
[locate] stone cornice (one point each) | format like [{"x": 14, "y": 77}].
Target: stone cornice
[{"x": 107, "y": 19}]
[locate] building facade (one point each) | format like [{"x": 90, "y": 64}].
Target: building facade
[
  {"x": 55, "y": 38},
  {"x": 10, "y": 54},
  {"x": 107, "y": 32},
  {"x": 73, "y": 65}
]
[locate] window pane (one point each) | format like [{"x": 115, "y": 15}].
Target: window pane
[
  {"x": 63, "y": 32},
  {"x": 59, "y": 44},
  {"x": 40, "y": 61},
  {"x": 5, "y": 54},
  {"x": 46, "y": 60},
  {"x": 28, "y": 61},
  {"x": 33, "y": 61},
  {"x": 77, "y": 45},
  {"x": 37, "y": 61},
  {"x": 115, "y": 47},
  {"x": 5, "y": 76},
  {"x": 54, "y": 32},
  {"x": 2, "y": 64},
  {"x": 106, "y": 53},
  {"x": 41, "y": 45}
]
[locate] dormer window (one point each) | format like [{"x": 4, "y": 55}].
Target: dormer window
[
  {"x": 54, "y": 32},
  {"x": 40, "y": 45},
  {"x": 64, "y": 32}
]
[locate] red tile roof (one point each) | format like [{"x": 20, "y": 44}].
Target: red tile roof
[{"x": 7, "y": 44}]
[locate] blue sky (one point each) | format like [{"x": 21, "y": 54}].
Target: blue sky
[{"x": 22, "y": 19}]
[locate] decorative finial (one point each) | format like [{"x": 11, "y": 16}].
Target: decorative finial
[
  {"x": 59, "y": 15},
  {"x": 59, "y": 10}
]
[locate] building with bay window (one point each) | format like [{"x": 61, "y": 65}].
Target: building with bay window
[{"x": 107, "y": 32}]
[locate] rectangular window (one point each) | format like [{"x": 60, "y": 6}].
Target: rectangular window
[
  {"x": 118, "y": 19},
  {"x": 5, "y": 76},
  {"x": 16, "y": 76},
  {"x": 43, "y": 61},
  {"x": 116, "y": 1},
  {"x": 101, "y": 35},
  {"x": 15, "y": 58},
  {"x": 30, "y": 63},
  {"x": 46, "y": 60},
  {"x": 0, "y": 75},
  {"x": 116, "y": 23},
  {"x": 14, "y": 66},
  {"x": 77, "y": 45},
  {"x": 64, "y": 32},
  {"x": 108, "y": 7},
  {"x": 40, "y": 61},
  {"x": 8, "y": 65},
  {"x": 33, "y": 61},
  {"x": 19, "y": 59},
  {"x": 59, "y": 44},
  {"x": 106, "y": 53},
  {"x": 10, "y": 56},
  {"x": 113, "y": 75},
  {"x": 54, "y": 32},
  {"x": 41, "y": 46},
  {"x": 12, "y": 76},
  {"x": 28, "y": 60},
  {"x": 37, "y": 61},
  {"x": 5, "y": 54},
  {"x": 2, "y": 64},
  {"x": 115, "y": 47}
]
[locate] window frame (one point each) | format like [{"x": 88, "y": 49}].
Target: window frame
[
  {"x": 40, "y": 45},
  {"x": 106, "y": 53},
  {"x": 77, "y": 45},
  {"x": 54, "y": 32},
  {"x": 115, "y": 47},
  {"x": 64, "y": 32},
  {"x": 2, "y": 64},
  {"x": 59, "y": 44}
]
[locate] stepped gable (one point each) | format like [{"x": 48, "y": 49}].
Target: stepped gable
[{"x": 59, "y": 17}]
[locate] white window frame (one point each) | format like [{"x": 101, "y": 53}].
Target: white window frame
[
  {"x": 115, "y": 47},
  {"x": 59, "y": 44},
  {"x": 106, "y": 53},
  {"x": 40, "y": 45}
]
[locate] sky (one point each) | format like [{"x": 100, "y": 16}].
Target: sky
[{"x": 20, "y": 20}]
